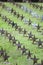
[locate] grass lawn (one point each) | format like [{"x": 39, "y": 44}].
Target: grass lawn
[{"x": 15, "y": 55}]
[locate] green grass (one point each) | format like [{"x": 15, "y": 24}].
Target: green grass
[{"x": 14, "y": 55}]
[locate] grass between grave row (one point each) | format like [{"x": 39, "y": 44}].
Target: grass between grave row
[
  {"x": 15, "y": 55},
  {"x": 26, "y": 44},
  {"x": 22, "y": 39},
  {"x": 28, "y": 28}
]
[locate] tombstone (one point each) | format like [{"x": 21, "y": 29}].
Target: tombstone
[
  {"x": 2, "y": 31},
  {"x": 24, "y": 32},
  {"x": 18, "y": 15},
  {"x": 38, "y": 27},
  {"x": 34, "y": 39},
  {"x": 12, "y": 10},
  {"x": 34, "y": 60},
  {"x": 6, "y": 34},
  {"x": 14, "y": 41},
  {"x": 18, "y": 45},
  {"x": 28, "y": 54},
  {"x": 16, "y": 27},
  {"x": 5, "y": 57},
  {"x": 2, "y": 52},
  {"x": 30, "y": 35},
  {"x": 8, "y": 21},
  {"x": 29, "y": 22},
  {"x": 20, "y": 29},
  {"x": 23, "y": 50},
  {"x": 39, "y": 43},
  {"x": 22, "y": 17},
  {"x": 15, "y": 13},
  {"x": 5, "y": 18},
  {"x": 13, "y": 24},
  {"x": 10, "y": 37}
]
